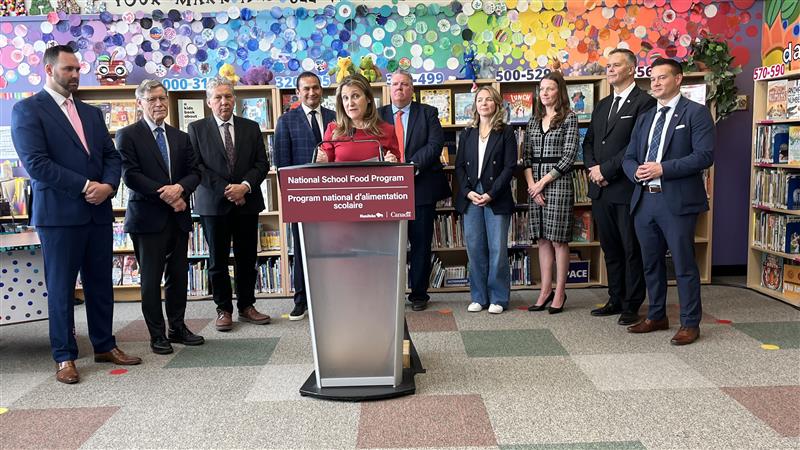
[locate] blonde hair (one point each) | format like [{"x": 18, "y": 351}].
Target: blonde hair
[
  {"x": 344, "y": 125},
  {"x": 499, "y": 114}
]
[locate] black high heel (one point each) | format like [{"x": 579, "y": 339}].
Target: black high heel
[
  {"x": 552, "y": 310},
  {"x": 543, "y": 305}
]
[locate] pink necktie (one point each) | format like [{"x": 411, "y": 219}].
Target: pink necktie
[{"x": 75, "y": 119}]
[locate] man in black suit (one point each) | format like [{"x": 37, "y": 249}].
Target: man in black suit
[
  {"x": 610, "y": 190},
  {"x": 298, "y": 132},
  {"x": 420, "y": 136},
  {"x": 159, "y": 167},
  {"x": 233, "y": 163}
]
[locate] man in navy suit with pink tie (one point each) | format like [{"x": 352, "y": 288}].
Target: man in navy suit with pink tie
[
  {"x": 64, "y": 145},
  {"x": 671, "y": 145}
]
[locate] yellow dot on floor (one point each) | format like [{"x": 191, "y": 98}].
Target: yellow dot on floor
[
  {"x": 770, "y": 347},
  {"x": 3, "y": 410},
  {"x": 284, "y": 316},
  {"x": 600, "y": 305}
]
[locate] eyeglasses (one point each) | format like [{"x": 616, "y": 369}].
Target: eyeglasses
[{"x": 154, "y": 100}]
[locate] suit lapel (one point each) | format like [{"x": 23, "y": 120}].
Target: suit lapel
[
  {"x": 84, "y": 112},
  {"x": 238, "y": 147},
  {"x": 647, "y": 123},
  {"x": 622, "y": 109},
  {"x": 51, "y": 107},
  {"x": 172, "y": 139},
  {"x": 413, "y": 116},
  {"x": 603, "y": 110},
  {"x": 214, "y": 135},
  {"x": 674, "y": 121}
]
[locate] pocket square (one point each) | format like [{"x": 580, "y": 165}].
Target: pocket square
[
  {"x": 626, "y": 117},
  {"x": 680, "y": 126}
]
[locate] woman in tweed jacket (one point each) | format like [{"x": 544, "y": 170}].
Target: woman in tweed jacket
[{"x": 551, "y": 141}]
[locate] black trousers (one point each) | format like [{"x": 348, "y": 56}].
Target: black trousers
[
  {"x": 297, "y": 265},
  {"x": 243, "y": 230},
  {"x": 164, "y": 254},
  {"x": 420, "y": 234},
  {"x": 626, "y": 286}
]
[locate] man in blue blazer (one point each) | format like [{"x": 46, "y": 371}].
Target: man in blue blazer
[
  {"x": 160, "y": 168},
  {"x": 298, "y": 133},
  {"x": 671, "y": 145},
  {"x": 420, "y": 136},
  {"x": 64, "y": 145}
]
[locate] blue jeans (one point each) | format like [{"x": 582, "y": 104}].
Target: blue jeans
[{"x": 486, "y": 235}]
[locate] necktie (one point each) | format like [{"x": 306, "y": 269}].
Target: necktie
[
  {"x": 229, "y": 146},
  {"x": 77, "y": 125},
  {"x": 652, "y": 152},
  {"x": 612, "y": 114},
  {"x": 315, "y": 127},
  {"x": 400, "y": 133},
  {"x": 162, "y": 145}
]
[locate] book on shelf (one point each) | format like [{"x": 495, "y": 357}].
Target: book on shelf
[
  {"x": 116, "y": 270},
  {"x": 520, "y": 263},
  {"x": 464, "y": 107},
  {"x": 777, "y": 232},
  {"x": 130, "y": 271},
  {"x": 455, "y": 276},
  {"x": 266, "y": 192},
  {"x": 776, "y": 99},
  {"x": 270, "y": 144},
  {"x": 190, "y": 110},
  {"x": 440, "y": 99},
  {"x": 117, "y": 113},
  {"x": 120, "y": 200},
  {"x": 289, "y": 102},
  {"x": 198, "y": 279},
  {"x": 793, "y": 151},
  {"x": 695, "y": 92},
  {"x": 793, "y": 99},
  {"x": 268, "y": 276},
  {"x": 581, "y": 136},
  {"x": 519, "y": 233},
  {"x": 518, "y": 107},
  {"x": 792, "y": 191},
  {"x": 776, "y": 188},
  {"x": 580, "y": 185},
  {"x": 771, "y": 272},
  {"x": 329, "y": 101},
  {"x": 257, "y": 109},
  {"x": 581, "y": 99},
  {"x": 16, "y": 192},
  {"x": 791, "y": 281},
  {"x": 771, "y": 144},
  {"x": 121, "y": 239},
  {"x": 582, "y": 226}
]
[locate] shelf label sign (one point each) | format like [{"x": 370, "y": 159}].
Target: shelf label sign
[
  {"x": 643, "y": 71},
  {"x": 767, "y": 72},
  {"x": 185, "y": 84},
  {"x": 521, "y": 76},
  {"x": 347, "y": 192},
  {"x": 422, "y": 79},
  {"x": 291, "y": 82}
]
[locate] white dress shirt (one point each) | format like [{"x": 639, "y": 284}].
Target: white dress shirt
[{"x": 672, "y": 103}]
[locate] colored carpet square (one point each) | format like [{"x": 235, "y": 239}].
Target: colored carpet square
[
  {"x": 777, "y": 406},
  {"x": 624, "y": 445},
  {"x": 499, "y": 343},
  {"x": 782, "y": 334},
  {"x": 425, "y": 421},
  {"x": 225, "y": 353},
  {"x": 626, "y": 372},
  {"x": 62, "y": 428},
  {"x": 430, "y": 321},
  {"x": 136, "y": 331}
]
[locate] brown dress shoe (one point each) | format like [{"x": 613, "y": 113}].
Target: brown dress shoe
[
  {"x": 117, "y": 357},
  {"x": 685, "y": 336},
  {"x": 647, "y": 325},
  {"x": 250, "y": 314},
  {"x": 224, "y": 321},
  {"x": 67, "y": 373}
]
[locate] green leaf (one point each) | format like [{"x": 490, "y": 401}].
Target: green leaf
[
  {"x": 790, "y": 10},
  {"x": 771, "y": 10}
]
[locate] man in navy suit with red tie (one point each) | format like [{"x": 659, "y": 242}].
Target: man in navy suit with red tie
[
  {"x": 671, "y": 145},
  {"x": 298, "y": 133},
  {"x": 64, "y": 145}
]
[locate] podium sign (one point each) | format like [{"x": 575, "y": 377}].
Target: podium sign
[
  {"x": 347, "y": 193},
  {"x": 352, "y": 219}
]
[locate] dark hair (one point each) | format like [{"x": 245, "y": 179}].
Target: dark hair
[
  {"x": 306, "y": 74},
  {"x": 562, "y": 100},
  {"x": 674, "y": 65},
  {"x": 627, "y": 53},
  {"x": 51, "y": 54}
]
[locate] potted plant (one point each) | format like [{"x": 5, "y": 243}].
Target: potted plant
[{"x": 711, "y": 54}]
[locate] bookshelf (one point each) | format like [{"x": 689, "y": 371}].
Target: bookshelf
[
  {"x": 774, "y": 215},
  {"x": 449, "y": 253}
]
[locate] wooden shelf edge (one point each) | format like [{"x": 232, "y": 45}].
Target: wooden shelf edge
[
  {"x": 792, "y": 257},
  {"x": 790, "y": 212},
  {"x": 774, "y": 294}
]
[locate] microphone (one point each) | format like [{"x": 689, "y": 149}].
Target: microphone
[
  {"x": 333, "y": 141},
  {"x": 380, "y": 147}
]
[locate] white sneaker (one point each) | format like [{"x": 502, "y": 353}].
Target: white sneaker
[
  {"x": 474, "y": 307},
  {"x": 495, "y": 309}
]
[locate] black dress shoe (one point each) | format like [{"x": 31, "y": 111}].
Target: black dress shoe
[
  {"x": 183, "y": 336},
  {"x": 419, "y": 305},
  {"x": 606, "y": 310},
  {"x": 552, "y": 310},
  {"x": 628, "y": 318},
  {"x": 543, "y": 305},
  {"x": 160, "y": 345}
]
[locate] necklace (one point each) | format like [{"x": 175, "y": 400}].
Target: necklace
[{"x": 484, "y": 137}]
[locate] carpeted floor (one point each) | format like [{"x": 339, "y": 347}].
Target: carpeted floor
[{"x": 519, "y": 380}]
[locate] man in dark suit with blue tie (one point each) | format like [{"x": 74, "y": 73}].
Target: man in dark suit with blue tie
[
  {"x": 298, "y": 133},
  {"x": 64, "y": 145},
  {"x": 603, "y": 148},
  {"x": 159, "y": 167},
  {"x": 420, "y": 136},
  {"x": 670, "y": 147},
  {"x": 233, "y": 163}
]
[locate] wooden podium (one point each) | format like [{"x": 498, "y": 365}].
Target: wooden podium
[{"x": 352, "y": 219}]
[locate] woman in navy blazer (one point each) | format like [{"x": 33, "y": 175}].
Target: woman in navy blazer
[{"x": 485, "y": 163}]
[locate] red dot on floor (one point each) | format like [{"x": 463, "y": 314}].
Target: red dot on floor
[
  {"x": 724, "y": 321},
  {"x": 118, "y": 371},
  {"x": 522, "y": 308},
  {"x": 445, "y": 311}
]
